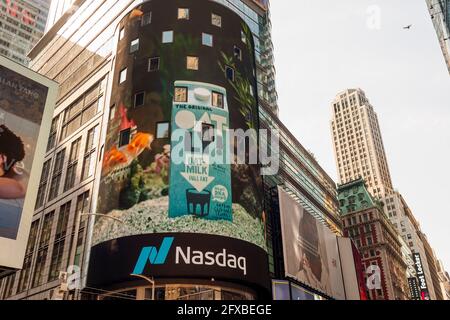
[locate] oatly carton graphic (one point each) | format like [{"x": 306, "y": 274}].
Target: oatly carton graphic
[{"x": 200, "y": 173}]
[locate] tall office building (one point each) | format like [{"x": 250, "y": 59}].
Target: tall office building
[
  {"x": 86, "y": 49},
  {"x": 440, "y": 15},
  {"x": 408, "y": 228},
  {"x": 22, "y": 24},
  {"x": 358, "y": 146}
]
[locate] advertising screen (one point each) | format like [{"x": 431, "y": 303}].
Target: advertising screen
[
  {"x": 26, "y": 107},
  {"x": 169, "y": 162},
  {"x": 310, "y": 250}
]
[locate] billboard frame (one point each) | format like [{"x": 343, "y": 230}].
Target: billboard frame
[{"x": 13, "y": 251}]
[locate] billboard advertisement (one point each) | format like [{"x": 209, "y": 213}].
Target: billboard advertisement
[
  {"x": 423, "y": 286},
  {"x": 175, "y": 255},
  {"x": 26, "y": 108},
  {"x": 310, "y": 250},
  {"x": 414, "y": 288},
  {"x": 168, "y": 163}
]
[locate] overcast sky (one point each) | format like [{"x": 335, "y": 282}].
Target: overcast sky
[{"x": 325, "y": 46}]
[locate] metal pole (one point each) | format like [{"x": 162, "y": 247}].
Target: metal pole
[
  {"x": 87, "y": 242},
  {"x": 151, "y": 281}
]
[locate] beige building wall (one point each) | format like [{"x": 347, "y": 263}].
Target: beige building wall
[{"x": 358, "y": 146}]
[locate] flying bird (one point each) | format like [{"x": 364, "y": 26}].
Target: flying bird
[{"x": 408, "y": 27}]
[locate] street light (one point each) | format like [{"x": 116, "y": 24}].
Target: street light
[
  {"x": 151, "y": 281},
  {"x": 89, "y": 240}
]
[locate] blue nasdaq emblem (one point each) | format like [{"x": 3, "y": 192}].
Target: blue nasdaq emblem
[{"x": 153, "y": 256}]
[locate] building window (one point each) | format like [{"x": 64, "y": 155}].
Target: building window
[
  {"x": 192, "y": 63},
  {"x": 112, "y": 112},
  {"x": 237, "y": 53},
  {"x": 43, "y": 184},
  {"x": 121, "y": 33},
  {"x": 181, "y": 94},
  {"x": 124, "y": 137},
  {"x": 217, "y": 100},
  {"x": 89, "y": 154},
  {"x": 53, "y": 131},
  {"x": 216, "y": 20},
  {"x": 167, "y": 37},
  {"x": 153, "y": 64},
  {"x": 71, "y": 171},
  {"x": 139, "y": 99},
  {"x": 369, "y": 241},
  {"x": 162, "y": 130},
  {"x": 134, "y": 46},
  {"x": 123, "y": 75},
  {"x": 207, "y": 39},
  {"x": 57, "y": 173},
  {"x": 146, "y": 19},
  {"x": 243, "y": 37},
  {"x": 183, "y": 13},
  {"x": 229, "y": 72}
]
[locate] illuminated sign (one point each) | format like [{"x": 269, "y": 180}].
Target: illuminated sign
[{"x": 424, "y": 294}]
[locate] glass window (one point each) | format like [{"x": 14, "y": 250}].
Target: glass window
[
  {"x": 121, "y": 33},
  {"x": 243, "y": 37},
  {"x": 162, "y": 130},
  {"x": 167, "y": 36},
  {"x": 112, "y": 112},
  {"x": 89, "y": 154},
  {"x": 124, "y": 138},
  {"x": 237, "y": 53},
  {"x": 183, "y": 13},
  {"x": 139, "y": 99},
  {"x": 229, "y": 71},
  {"x": 153, "y": 64},
  {"x": 123, "y": 76},
  {"x": 216, "y": 20},
  {"x": 181, "y": 94},
  {"x": 146, "y": 19},
  {"x": 217, "y": 99},
  {"x": 192, "y": 63},
  {"x": 207, "y": 39},
  {"x": 71, "y": 171},
  {"x": 134, "y": 46}
]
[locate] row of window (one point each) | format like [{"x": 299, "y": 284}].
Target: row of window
[
  {"x": 64, "y": 240},
  {"x": 87, "y": 169}
]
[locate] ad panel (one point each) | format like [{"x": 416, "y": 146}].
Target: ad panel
[
  {"x": 178, "y": 255},
  {"x": 423, "y": 286},
  {"x": 191, "y": 89},
  {"x": 26, "y": 107},
  {"x": 310, "y": 249}
]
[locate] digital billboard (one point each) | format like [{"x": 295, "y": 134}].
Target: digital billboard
[
  {"x": 169, "y": 163},
  {"x": 178, "y": 255},
  {"x": 310, "y": 250},
  {"x": 26, "y": 108}
]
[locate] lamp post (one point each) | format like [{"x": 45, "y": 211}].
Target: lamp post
[
  {"x": 149, "y": 280},
  {"x": 88, "y": 239}
]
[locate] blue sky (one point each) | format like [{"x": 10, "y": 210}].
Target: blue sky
[{"x": 325, "y": 46}]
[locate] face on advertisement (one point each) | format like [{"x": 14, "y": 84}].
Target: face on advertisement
[{"x": 12, "y": 151}]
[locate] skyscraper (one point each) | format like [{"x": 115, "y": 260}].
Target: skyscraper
[
  {"x": 358, "y": 146},
  {"x": 22, "y": 24},
  {"x": 82, "y": 49},
  {"x": 440, "y": 15}
]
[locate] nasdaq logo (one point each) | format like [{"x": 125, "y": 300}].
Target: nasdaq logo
[{"x": 153, "y": 255}]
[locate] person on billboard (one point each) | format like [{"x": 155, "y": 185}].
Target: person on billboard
[
  {"x": 311, "y": 265},
  {"x": 12, "y": 151}
]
